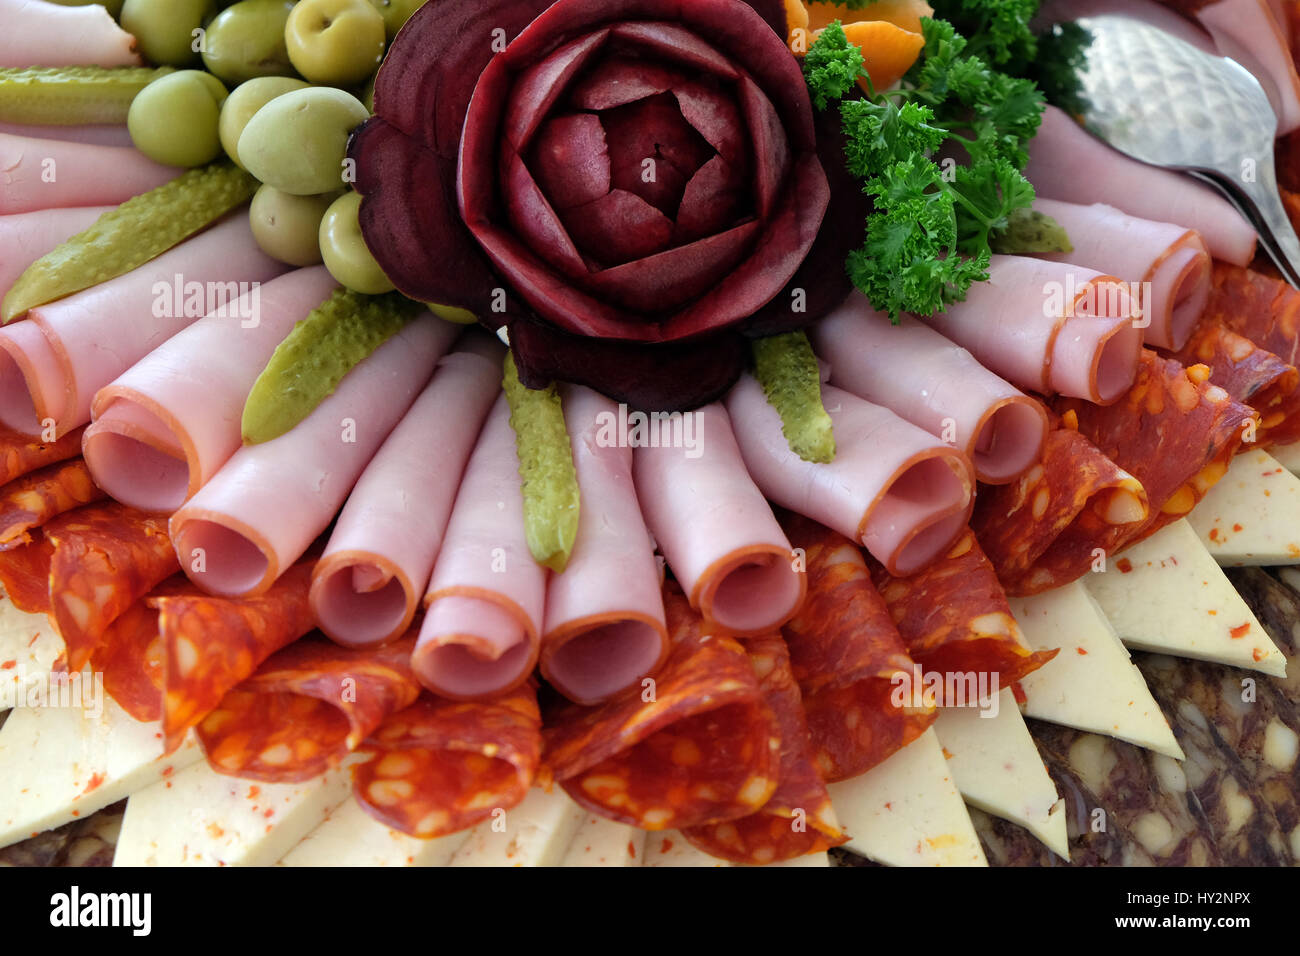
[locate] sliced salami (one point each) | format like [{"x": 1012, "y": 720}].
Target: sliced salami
[
  {"x": 798, "y": 818},
  {"x": 30, "y": 501},
  {"x": 956, "y": 622},
  {"x": 106, "y": 556},
  {"x": 697, "y": 746},
  {"x": 131, "y": 655},
  {"x": 25, "y": 574},
  {"x": 440, "y": 766},
  {"x": 20, "y": 454},
  {"x": 848, "y": 657},
  {"x": 212, "y": 644}
]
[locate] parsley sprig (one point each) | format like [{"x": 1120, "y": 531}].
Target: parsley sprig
[{"x": 929, "y": 236}]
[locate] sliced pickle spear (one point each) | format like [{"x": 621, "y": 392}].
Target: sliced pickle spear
[
  {"x": 551, "y": 497},
  {"x": 125, "y": 238},
  {"x": 72, "y": 95},
  {"x": 1028, "y": 232},
  {"x": 787, "y": 369}
]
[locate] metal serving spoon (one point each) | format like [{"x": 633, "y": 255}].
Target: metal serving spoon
[{"x": 1165, "y": 102}]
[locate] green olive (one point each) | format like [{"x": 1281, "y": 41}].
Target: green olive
[
  {"x": 339, "y": 42},
  {"x": 165, "y": 29},
  {"x": 298, "y": 141},
  {"x": 287, "y": 227},
  {"x": 345, "y": 252},
  {"x": 451, "y": 313},
  {"x": 173, "y": 120},
  {"x": 368, "y": 95},
  {"x": 247, "y": 40},
  {"x": 396, "y": 13},
  {"x": 245, "y": 100},
  {"x": 114, "y": 7}
]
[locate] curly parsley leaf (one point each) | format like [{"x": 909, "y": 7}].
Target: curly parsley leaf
[
  {"x": 832, "y": 66},
  {"x": 998, "y": 29}
]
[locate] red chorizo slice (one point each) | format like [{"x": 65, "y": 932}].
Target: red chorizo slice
[
  {"x": 956, "y": 622},
  {"x": 20, "y": 454},
  {"x": 25, "y": 574},
  {"x": 697, "y": 746},
  {"x": 131, "y": 655},
  {"x": 846, "y": 655},
  {"x": 106, "y": 556},
  {"x": 35, "y": 498},
  {"x": 798, "y": 818},
  {"x": 307, "y": 707},
  {"x": 440, "y": 765},
  {"x": 212, "y": 644},
  {"x": 1052, "y": 518}
]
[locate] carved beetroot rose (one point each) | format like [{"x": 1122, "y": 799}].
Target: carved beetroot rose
[{"x": 629, "y": 185}]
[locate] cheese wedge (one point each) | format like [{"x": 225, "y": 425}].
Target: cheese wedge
[
  {"x": 670, "y": 848},
  {"x": 998, "y": 769},
  {"x": 808, "y": 859},
  {"x": 61, "y": 763},
  {"x": 538, "y": 832},
  {"x": 907, "y": 811},
  {"x": 351, "y": 837},
  {"x": 202, "y": 818},
  {"x": 29, "y": 645},
  {"x": 1288, "y": 456},
  {"x": 1092, "y": 684},
  {"x": 1167, "y": 594},
  {"x": 1252, "y": 516},
  {"x": 602, "y": 842}
]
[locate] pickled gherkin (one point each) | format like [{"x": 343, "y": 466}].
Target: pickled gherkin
[
  {"x": 308, "y": 365},
  {"x": 125, "y": 238},
  {"x": 71, "y": 95},
  {"x": 787, "y": 369}
]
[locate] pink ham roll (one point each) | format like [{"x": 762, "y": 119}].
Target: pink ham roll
[
  {"x": 262, "y": 510},
  {"x": 1147, "y": 11},
  {"x": 369, "y": 582},
  {"x": 1254, "y": 32},
  {"x": 26, "y": 237},
  {"x": 1050, "y": 328},
  {"x": 165, "y": 426},
  {"x": 711, "y": 523},
  {"x": 98, "y": 135},
  {"x": 896, "y": 488},
  {"x": 36, "y": 33},
  {"x": 1067, "y": 162},
  {"x": 52, "y": 174},
  {"x": 1168, "y": 265},
  {"x": 604, "y": 629},
  {"x": 482, "y": 629},
  {"x": 53, "y": 363},
  {"x": 922, "y": 377}
]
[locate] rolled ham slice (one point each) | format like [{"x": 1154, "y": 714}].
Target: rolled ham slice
[
  {"x": 163, "y": 428},
  {"x": 927, "y": 380},
  {"x": 604, "y": 629},
  {"x": 53, "y": 362},
  {"x": 266, "y": 505},
  {"x": 482, "y": 629},
  {"x": 369, "y": 582},
  {"x": 718, "y": 535},
  {"x": 896, "y": 488},
  {"x": 1251, "y": 32},
  {"x": 35, "y": 33},
  {"x": 95, "y": 135},
  {"x": 1050, "y": 328},
  {"x": 1148, "y": 11},
  {"x": 1172, "y": 259},
  {"x": 1068, "y": 163},
  {"x": 27, "y": 236},
  {"x": 54, "y": 174}
]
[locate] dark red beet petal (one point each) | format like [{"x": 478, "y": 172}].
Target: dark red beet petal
[
  {"x": 534, "y": 219},
  {"x": 713, "y": 200},
  {"x": 404, "y": 223},
  {"x": 679, "y": 45},
  {"x": 715, "y": 116},
  {"x": 675, "y": 277},
  {"x": 770, "y": 148},
  {"x": 619, "y": 81},
  {"x": 674, "y": 377},
  {"x": 653, "y": 151},
  {"x": 570, "y": 160},
  {"x": 822, "y": 277},
  {"x": 540, "y": 87},
  {"x": 619, "y": 227}
]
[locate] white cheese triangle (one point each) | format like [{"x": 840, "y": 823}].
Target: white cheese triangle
[
  {"x": 1252, "y": 516},
  {"x": 1092, "y": 684},
  {"x": 61, "y": 763},
  {"x": 29, "y": 645},
  {"x": 1167, "y": 594},
  {"x": 670, "y": 848},
  {"x": 998, "y": 769},
  {"x": 199, "y": 817},
  {"x": 602, "y": 842},
  {"x": 1288, "y": 456},
  {"x": 538, "y": 832},
  {"x": 907, "y": 811},
  {"x": 351, "y": 837}
]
